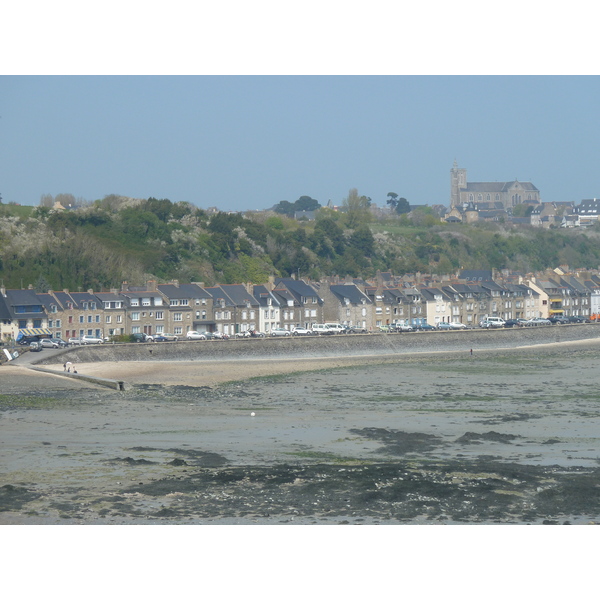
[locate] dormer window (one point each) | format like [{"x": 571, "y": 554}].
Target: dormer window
[{"x": 135, "y": 302}]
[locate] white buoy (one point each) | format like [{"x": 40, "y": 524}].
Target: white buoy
[{"x": 252, "y": 414}]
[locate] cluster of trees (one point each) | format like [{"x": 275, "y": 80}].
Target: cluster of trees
[{"x": 121, "y": 239}]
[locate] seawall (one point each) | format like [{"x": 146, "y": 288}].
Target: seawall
[{"x": 327, "y": 346}]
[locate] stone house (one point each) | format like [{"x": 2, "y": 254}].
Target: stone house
[
  {"x": 269, "y": 307},
  {"x": 190, "y": 308},
  {"x": 301, "y": 304},
  {"x": 346, "y": 304}
]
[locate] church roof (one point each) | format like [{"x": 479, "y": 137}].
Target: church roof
[{"x": 498, "y": 186}]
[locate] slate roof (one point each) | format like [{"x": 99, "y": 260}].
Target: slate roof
[
  {"x": 25, "y": 298},
  {"x": 298, "y": 288},
  {"x": 4, "y": 312},
  {"x": 183, "y": 291},
  {"x": 351, "y": 292},
  {"x": 262, "y": 294},
  {"x": 497, "y": 186},
  {"x": 239, "y": 294},
  {"x": 476, "y": 275}
]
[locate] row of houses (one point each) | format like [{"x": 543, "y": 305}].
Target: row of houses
[
  {"x": 543, "y": 214},
  {"x": 287, "y": 303}
]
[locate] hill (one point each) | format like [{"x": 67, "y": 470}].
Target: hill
[{"x": 120, "y": 239}]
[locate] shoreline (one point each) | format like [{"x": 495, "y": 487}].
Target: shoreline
[{"x": 211, "y": 373}]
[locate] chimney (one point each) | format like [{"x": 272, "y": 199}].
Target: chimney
[
  {"x": 151, "y": 286},
  {"x": 124, "y": 286}
]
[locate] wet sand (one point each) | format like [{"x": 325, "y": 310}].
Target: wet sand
[{"x": 504, "y": 436}]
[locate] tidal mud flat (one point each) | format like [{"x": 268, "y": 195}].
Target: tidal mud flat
[{"x": 504, "y": 436}]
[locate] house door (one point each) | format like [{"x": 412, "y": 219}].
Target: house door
[{"x": 148, "y": 329}]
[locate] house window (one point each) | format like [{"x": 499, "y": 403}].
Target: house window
[
  {"x": 119, "y": 319},
  {"x": 178, "y": 330},
  {"x": 177, "y": 316},
  {"x": 81, "y": 318},
  {"x": 174, "y": 303},
  {"x": 135, "y": 302},
  {"x": 108, "y": 318},
  {"x": 146, "y": 302},
  {"x": 159, "y": 315},
  {"x": 136, "y": 329},
  {"x": 185, "y": 303},
  {"x": 58, "y": 324},
  {"x": 135, "y": 316},
  {"x": 89, "y": 319}
]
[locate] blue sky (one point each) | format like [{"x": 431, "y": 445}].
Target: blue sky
[
  {"x": 241, "y": 105},
  {"x": 248, "y": 142}
]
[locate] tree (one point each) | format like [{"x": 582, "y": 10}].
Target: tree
[
  {"x": 402, "y": 206},
  {"x": 306, "y": 203},
  {"x": 392, "y": 200},
  {"x": 357, "y": 209},
  {"x": 47, "y": 200}
]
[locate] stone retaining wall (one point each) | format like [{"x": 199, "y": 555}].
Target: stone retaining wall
[{"x": 327, "y": 346}]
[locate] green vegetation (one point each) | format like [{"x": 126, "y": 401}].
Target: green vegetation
[{"x": 120, "y": 239}]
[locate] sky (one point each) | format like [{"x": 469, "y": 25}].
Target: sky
[
  {"x": 248, "y": 142},
  {"x": 246, "y": 106}
]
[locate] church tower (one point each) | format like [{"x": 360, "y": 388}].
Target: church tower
[{"x": 458, "y": 181}]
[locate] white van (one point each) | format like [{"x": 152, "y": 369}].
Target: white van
[
  {"x": 322, "y": 329},
  {"x": 490, "y": 322},
  {"x": 336, "y": 327}
]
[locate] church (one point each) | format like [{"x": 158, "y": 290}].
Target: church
[{"x": 507, "y": 193}]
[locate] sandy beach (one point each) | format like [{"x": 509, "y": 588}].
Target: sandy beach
[{"x": 502, "y": 436}]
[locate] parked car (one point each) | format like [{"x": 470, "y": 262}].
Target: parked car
[
  {"x": 90, "y": 339},
  {"x": 35, "y": 347},
  {"x": 48, "y": 343},
  {"x": 491, "y": 322},
  {"x": 61, "y": 343},
  {"x": 513, "y": 323},
  {"x": 558, "y": 320},
  {"x": 243, "y": 334},
  {"x": 195, "y": 335},
  {"x": 166, "y": 337},
  {"x": 257, "y": 334},
  {"x": 403, "y": 327},
  {"x": 322, "y": 329},
  {"x": 425, "y": 327},
  {"x": 279, "y": 331},
  {"x": 449, "y": 326},
  {"x": 537, "y": 321},
  {"x": 218, "y": 335},
  {"x": 357, "y": 329},
  {"x": 384, "y": 328},
  {"x": 577, "y": 319},
  {"x": 301, "y": 331},
  {"x": 141, "y": 337}
]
